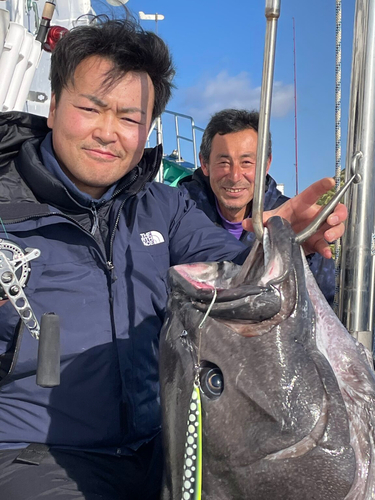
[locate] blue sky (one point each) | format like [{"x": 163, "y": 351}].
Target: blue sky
[{"x": 217, "y": 48}]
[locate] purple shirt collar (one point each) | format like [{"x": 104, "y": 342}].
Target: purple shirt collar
[{"x": 234, "y": 228}]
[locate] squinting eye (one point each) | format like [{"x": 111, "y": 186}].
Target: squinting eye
[
  {"x": 131, "y": 120},
  {"x": 211, "y": 381},
  {"x": 89, "y": 110}
]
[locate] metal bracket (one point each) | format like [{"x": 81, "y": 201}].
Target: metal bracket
[{"x": 35, "y": 96}]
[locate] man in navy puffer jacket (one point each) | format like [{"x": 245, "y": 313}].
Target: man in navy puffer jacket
[
  {"x": 83, "y": 195},
  {"x": 223, "y": 186}
]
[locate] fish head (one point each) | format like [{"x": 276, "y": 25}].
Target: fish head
[
  {"x": 242, "y": 335},
  {"x": 215, "y": 311},
  {"x": 241, "y": 295}
]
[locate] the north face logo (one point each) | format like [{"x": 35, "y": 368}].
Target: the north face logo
[{"x": 151, "y": 238}]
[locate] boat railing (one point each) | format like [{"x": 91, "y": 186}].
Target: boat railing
[{"x": 180, "y": 138}]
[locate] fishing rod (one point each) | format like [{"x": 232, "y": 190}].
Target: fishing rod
[
  {"x": 47, "y": 14},
  {"x": 295, "y": 103},
  {"x": 15, "y": 271}
]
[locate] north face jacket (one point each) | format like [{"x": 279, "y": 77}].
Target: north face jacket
[
  {"x": 197, "y": 187},
  {"x": 108, "y": 286}
]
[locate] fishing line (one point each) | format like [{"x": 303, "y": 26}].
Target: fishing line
[
  {"x": 209, "y": 309},
  {"x": 202, "y": 323},
  {"x": 5, "y": 231}
]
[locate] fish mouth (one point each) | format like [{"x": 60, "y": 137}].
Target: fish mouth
[{"x": 240, "y": 293}]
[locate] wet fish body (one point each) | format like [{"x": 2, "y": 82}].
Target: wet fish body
[{"x": 287, "y": 395}]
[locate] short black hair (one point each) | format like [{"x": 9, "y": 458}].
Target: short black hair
[
  {"x": 125, "y": 44},
  {"x": 226, "y": 122}
]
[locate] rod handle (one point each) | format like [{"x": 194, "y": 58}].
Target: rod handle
[{"x": 48, "y": 367}]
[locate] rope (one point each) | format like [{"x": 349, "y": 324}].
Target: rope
[{"x": 337, "y": 251}]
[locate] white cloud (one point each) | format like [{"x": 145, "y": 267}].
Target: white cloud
[{"x": 225, "y": 91}]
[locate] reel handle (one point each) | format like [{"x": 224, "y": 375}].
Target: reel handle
[{"x": 48, "y": 368}]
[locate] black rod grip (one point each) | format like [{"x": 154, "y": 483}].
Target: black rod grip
[{"x": 48, "y": 368}]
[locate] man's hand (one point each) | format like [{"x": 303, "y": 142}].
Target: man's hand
[{"x": 302, "y": 209}]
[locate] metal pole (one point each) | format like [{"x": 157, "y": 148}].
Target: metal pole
[
  {"x": 178, "y": 138},
  {"x": 194, "y": 144},
  {"x": 355, "y": 307},
  {"x": 272, "y": 15},
  {"x": 159, "y": 140}
]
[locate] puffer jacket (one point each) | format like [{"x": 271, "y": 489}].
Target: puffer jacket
[
  {"x": 197, "y": 187},
  {"x": 109, "y": 291}
]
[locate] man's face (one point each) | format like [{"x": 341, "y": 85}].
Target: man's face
[
  {"x": 99, "y": 134},
  {"x": 231, "y": 170}
]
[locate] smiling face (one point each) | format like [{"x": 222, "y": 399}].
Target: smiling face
[
  {"x": 231, "y": 170},
  {"x": 99, "y": 134}
]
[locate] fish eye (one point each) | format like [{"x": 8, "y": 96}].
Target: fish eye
[{"x": 211, "y": 381}]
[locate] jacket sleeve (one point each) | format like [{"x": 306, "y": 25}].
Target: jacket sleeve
[{"x": 194, "y": 238}]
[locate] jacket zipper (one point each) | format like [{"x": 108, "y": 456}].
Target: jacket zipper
[
  {"x": 110, "y": 265},
  {"x": 95, "y": 224},
  {"x": 110, "y": 261}
]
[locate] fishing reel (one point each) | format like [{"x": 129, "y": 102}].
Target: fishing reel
[
  {"x": 14, "y": 273},
  {"x": 19, "y": 262}
]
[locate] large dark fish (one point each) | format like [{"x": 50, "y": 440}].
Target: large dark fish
[{"x": 287, "y": 395}]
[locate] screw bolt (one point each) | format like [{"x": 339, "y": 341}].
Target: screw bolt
[
  {"x": 14, "y": 290},
  {"x": 6, "y": 277}
]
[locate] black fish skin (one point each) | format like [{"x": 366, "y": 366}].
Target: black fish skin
[{"x": 276, "y": 385}]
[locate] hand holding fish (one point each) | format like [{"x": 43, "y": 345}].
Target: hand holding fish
[{"x": 302, "y": 209}]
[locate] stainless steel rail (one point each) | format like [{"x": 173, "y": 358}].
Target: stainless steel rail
[
  {"x": 356, "y": 280},
  {"x": 272, "y": 14},
  {"x": 179, "y": 137}
]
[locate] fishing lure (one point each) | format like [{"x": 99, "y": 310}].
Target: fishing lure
[{"x": 192, "y": 477}]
